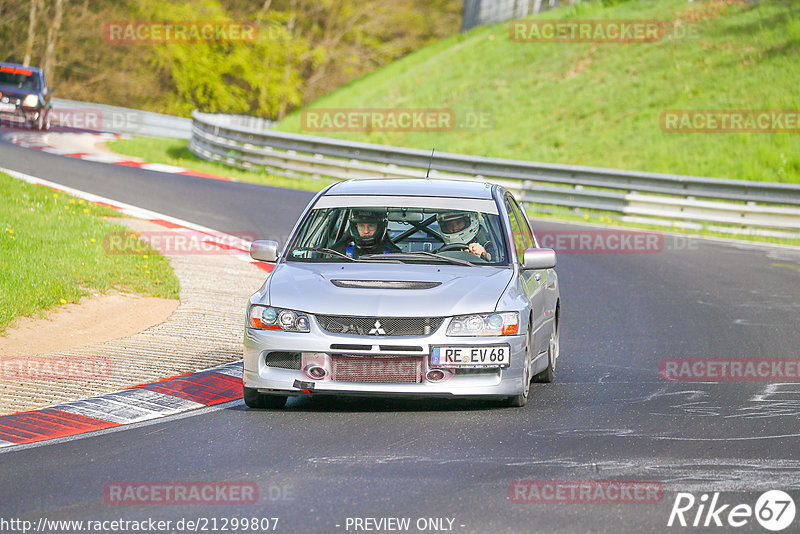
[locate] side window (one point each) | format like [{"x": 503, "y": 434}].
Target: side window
[
  {"x": 523, "y": 222},
  {"x": 513, "y": 219}
]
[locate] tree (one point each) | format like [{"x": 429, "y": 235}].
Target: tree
[
  {"x": 31, "y": 31},
  {"x": 49, "y": 63}
]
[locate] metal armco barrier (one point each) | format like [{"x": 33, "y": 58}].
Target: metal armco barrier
[
  {"x": 119, "y": 120},
  {"x": 740, "y": 204}
]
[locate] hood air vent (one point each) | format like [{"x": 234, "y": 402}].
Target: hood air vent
[{"x": 384, "y": 284}]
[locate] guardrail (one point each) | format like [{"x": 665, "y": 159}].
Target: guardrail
[
  {"x": 479, "y": 12},
  {"x": 744, "y": 206},
  {"x": 116, "y": 119}
]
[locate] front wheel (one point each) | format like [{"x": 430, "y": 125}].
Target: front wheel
[
  {"x": 254, "y": 399},
  {"x": 518, "y": 401},
  {"x": 549, "y": 374},
  {"x": 38, "y": 122}
]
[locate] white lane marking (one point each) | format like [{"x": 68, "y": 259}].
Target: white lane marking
[
  {"x": 101, "y": 158},
  {"x": 5, "y": 444},
  {"x": 58, "y": 151},
  {"x": 162, "y": 167},
  {"x": 129, "y": 406}
]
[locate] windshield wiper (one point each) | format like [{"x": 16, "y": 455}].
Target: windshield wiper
[
  {"x": 417, "y": 254},
  {"x": 332, "y": 252}
]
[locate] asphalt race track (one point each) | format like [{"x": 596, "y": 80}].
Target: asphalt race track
[{"x": 320, "y": 464}]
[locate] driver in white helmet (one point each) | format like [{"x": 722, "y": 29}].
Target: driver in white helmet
[{"x": 463, "y": 227}]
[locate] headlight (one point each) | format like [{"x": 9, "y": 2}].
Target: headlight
[
  {"x": 31, "y": 101},
  {"x": 487, "y": 324},
  {"x": 269, "y": 318}
]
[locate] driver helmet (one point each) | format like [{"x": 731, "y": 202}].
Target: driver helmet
[
  {"x": 371, "y": 217},
  {"x": 458, "y": 226}
]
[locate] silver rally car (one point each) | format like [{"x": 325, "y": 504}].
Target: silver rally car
[{"x": 409, "y": 288}]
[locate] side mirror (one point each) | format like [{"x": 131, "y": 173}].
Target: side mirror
[
  {"x": 264, "y": 251},
  {"x": 538, "y": 258}
]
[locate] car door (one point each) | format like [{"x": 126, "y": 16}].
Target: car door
[{"x": 533, "y": 281}]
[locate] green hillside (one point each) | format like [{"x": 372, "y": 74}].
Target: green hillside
[{"x": 600, "y": 104}]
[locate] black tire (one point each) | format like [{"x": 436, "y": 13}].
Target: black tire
[
  {"x": 254, "y": 399},
  {"x": 549, "y": 374}
]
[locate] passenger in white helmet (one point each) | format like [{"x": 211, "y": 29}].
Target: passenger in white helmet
[{"x": 463, "y": 228}]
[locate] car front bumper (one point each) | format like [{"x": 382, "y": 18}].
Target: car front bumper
[
  {"x": 18, "y": 114},
  {"x": 317, "y": 347}
]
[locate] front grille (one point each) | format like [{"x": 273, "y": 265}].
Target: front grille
[
  {"x": 383, "y": 369},
  {"x": 379, "y": 326},
  {"x": 284, "y": 360}
]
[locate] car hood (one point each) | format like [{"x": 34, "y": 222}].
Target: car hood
[{"x": 310, "y": 287}]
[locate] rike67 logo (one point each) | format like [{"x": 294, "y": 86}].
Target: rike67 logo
[{"x": 774, "y": 510}]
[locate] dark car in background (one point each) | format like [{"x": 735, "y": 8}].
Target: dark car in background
[{"x": 24, "y": 96}]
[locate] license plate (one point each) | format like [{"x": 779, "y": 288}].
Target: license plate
[
  {"x": 4, "y": 106},
  {"x": 471, "y": 356}
]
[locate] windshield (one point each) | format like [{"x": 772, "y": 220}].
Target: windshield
[
  {"x": 407, "y": 234},
  {"x": 19, "y": 78}
]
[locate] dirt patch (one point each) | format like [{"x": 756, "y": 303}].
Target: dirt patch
[{"x": 93, "y": 320}]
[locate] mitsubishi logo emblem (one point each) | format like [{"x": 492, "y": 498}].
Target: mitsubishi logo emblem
[{"x": 377, "y": 330}]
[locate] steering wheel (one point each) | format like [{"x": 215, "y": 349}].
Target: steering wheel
[{"x": 453, "y": 246}]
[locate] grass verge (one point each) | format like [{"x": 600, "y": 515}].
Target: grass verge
[
  {"x": 600, "y": 104},
  {"x": 52, "y": 252}
]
